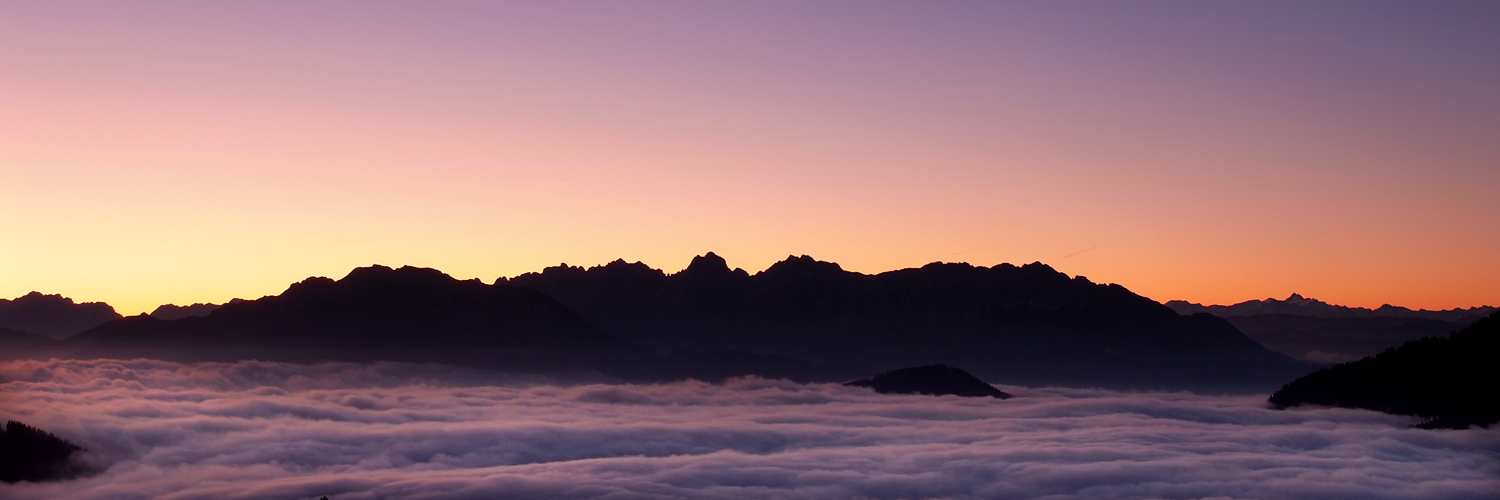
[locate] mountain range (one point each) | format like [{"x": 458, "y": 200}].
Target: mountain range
[
  {"x": 801, "y": 318},
  {"x": 1298, "y": 305},
  {"x": 1027, "y": 325},
  {"x": 374, "y": 313},
  {"x": 1317, "y": 331}
]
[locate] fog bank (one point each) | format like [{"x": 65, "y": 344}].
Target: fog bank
[{"x": 351, "y": 431}]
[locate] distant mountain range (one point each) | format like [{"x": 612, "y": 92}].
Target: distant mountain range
[
  {"x": 1298, "y": 305},
  {"x": 1453, "y": 381},
  {"x": 1316, "y": 331},
  {"x": 801, "y": 318},
  {"x": 53, "y": 316},
  {"x": 374, "y": 313}
]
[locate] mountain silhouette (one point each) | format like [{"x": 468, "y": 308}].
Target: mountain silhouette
[
  {"x": 1298, "y": 305},
  {"x": 374, "y": 313},
  {"x": 1024, "y": 325},
  {"x": 1317, "y": 331},
  {"x": 15, "y": 339},
  {"x": 31, "y": 454},
  {"x": 54, "y": 316},
  {"x": 174, "y": 311},
  {"x": 1453, "y": 382},
  {"x": 934, "y": 380}
]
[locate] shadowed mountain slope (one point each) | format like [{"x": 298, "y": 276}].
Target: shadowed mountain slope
[
  {"x": 1454, "y": 382},
  {"x": 13, "y": 339},
  {"x": 54, "y": 316},
  {"x": 1022, "y": 325},
  {"x": 1317, "y": 331},
  {"x": 374, "y": 313}
]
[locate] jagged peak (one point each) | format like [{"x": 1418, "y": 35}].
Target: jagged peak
[
  {"x": 710, "y": 265},
  {"x": 384, "y": 273},
  {"x": 947, "y": 265},
  {"x": 36, "y": 297},
  {"x": 802, "y": 264},
  {"x": 621, "y": 264},
  {"x": 1040, "y": 268},
  {"x": 709, "y": 262}
]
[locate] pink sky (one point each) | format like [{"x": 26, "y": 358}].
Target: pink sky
[{"x": 194, "y": 152}]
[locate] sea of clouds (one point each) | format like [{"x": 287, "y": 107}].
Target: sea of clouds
[{"x": 360, "y": 431}]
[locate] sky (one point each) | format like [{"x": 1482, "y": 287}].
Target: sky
[
  {"x": 180, "y": 152},
  {"x": 252, "y": 430}
]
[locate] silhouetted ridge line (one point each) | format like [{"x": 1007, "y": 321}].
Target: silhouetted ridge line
[
  {"x": 933, "y": 380},
  {"x": 172, "y": 311},
  {"x": 14, "y": 339},
  {"x": 1023, "y": 325},
  {"x": 1314, "y": 330},
  {"x": 53, "y": 316},
  {"x": 373, "y": 313},
  {"x": 1454, "y": 382},
  {"x": 1298, "y": 305}
]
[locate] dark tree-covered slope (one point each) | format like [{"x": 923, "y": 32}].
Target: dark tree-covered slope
[
  {"x": 374, "y": 313},
  {"x": 53, "y": 315},
  {"x": 1454, "y": 382},
  {"x": 31, "y": 454},
  {"x": 935, "y": 380},
  {"x": 1023, "y": 325}
]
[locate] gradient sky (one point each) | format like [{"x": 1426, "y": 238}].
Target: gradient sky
[{"x": 1215, "y": 152}]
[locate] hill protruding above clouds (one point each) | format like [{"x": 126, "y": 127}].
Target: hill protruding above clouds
[
  {"x": 1453, "y": 382},
  {"x": 374, "y": 313},
  {"x": 1317, "y": 331},
  {"x": 1026, "y": 325},
  {"x": 932, "y": 380},
  {"x": 54, "y": 316}
]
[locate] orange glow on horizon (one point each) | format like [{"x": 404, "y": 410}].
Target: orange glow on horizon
[{"x": 198, "y": 153}]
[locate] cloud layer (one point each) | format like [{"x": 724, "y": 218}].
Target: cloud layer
[{"x": 350, "y": 431}]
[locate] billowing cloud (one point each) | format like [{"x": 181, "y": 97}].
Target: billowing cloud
[{"x": 352, "y": 431}]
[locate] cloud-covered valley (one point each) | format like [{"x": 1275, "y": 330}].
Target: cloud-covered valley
[{"x": 361, "y": 431}]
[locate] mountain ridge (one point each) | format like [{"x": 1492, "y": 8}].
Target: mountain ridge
[
  {"x": 1302, "y": 306},
  {"x": 1001, "y": 321},
  {"x": 405, "y": 314},
  {"x": 53, "y": 315},
  {"x": 799, "y": 318},
  {"x": 1317, "y": 331}
]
